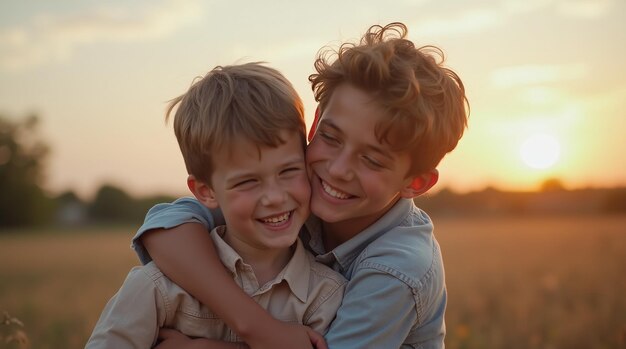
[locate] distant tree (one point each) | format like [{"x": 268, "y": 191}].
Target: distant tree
[
  {"x": 146, "y": 203},
  {"x": 68, "y": 197},
  {"x": 112, "y": 205},
  {"x": 70, "y": 209},
  {"x": 22, "y": 156},
  {"x": 552, "y": 184}
]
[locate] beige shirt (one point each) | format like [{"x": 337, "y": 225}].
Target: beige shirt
[{"x": 304, "y": 292}]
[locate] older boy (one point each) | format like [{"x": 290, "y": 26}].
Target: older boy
[
  {"x": 388, "y": 113},
  {"x": 242, "y": 135}
]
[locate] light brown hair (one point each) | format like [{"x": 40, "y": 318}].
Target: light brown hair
[
  {"x": 425, "y": 101},
  {"x": 231, "y": 103}
]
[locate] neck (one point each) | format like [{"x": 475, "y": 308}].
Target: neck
[
  {"x": 336, "y": 233},
  {"x": 267, "y": 267}
]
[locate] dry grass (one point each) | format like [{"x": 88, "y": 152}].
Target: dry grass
[
  {"x": 552, "y": 282},
  {"x": 57, "y": 283}
]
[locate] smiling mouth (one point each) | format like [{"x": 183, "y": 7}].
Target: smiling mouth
[
  {"x": 277, "y": 220},
  {"x": 333, "y": 192}
]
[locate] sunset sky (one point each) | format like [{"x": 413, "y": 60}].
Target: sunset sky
[{"x": 546, "y": 80}]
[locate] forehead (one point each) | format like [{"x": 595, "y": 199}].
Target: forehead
[
  {"x": 244, "y": 153},
  {"x": 347, "y": 98},
  {"x": 355, "y": 112}
]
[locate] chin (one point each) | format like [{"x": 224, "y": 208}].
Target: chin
[
  {"x": 286, "y": 243},
  {"x": 326, "y": 214}
]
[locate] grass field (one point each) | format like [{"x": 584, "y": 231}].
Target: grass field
[{"x": 533, "y": 282}]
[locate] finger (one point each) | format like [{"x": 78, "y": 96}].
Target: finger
[{"x": 317, "y": 340}]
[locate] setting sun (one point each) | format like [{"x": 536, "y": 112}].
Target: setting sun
[{"x": 540, "y": 151}]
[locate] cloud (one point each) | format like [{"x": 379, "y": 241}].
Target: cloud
[
  {"x": 541, "y": 95},
  {"x": 524, "y": 6},
  {"x": 471, "y": 21},
  {"x": 56, "y": 37},
  {"x": 584, "y": 8},
  {"x": 536, "y": 74},
  {"x": 568, "y": 8},
  {"x": 476, "y": 20}
]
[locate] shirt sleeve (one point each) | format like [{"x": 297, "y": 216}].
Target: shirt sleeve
[
  {"x": 378, "y": 311},
  {"x": 170, "y": 215},
  {"x": 131, "y": 319}
]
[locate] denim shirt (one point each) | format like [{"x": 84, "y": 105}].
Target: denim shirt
[{"x": 395, "y": 296}]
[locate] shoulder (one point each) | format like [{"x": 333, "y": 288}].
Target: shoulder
[
  {"x": 322, "y": 274},
  {"x": 144, "y": 274},
  {"x": 409, "y": 251},
  {"x": 149, "y": 271},
  {"x": 148, "y": 277}
]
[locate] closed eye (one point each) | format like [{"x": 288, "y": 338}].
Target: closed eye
[
  {"x": 290, "y": 171},
  {"x": 244, "y": 184},
  {"x": 373, "y": 163},
  {"x": 328, "y": 138}
]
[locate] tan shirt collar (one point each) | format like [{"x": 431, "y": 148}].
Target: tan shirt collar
[{"x": 295, "y": 273}]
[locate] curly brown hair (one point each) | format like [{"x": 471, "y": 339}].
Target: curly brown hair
[{"x": 426, "y": 106}]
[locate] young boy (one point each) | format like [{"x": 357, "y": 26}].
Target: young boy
[
  {"x": 388, "y": 113},
  {"x": 242, "y": 135}
]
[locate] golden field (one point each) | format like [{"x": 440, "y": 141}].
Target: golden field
[{"x": 522, "y": 282}]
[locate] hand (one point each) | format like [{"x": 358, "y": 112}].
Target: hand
[
  {"x": 284, "y": 335},
  {"x": 317, "y": 340}
]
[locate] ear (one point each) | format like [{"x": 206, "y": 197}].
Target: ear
[
  {"x": 202, "y": 192},
  {"x": 316, "y": 120},
  {"x": 420, "y": 184}
]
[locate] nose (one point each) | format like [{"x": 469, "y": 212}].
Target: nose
[
  {"x": 340, "y": 167},
  {"x": 273, "y": 194}
]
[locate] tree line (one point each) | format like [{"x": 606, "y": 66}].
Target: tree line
[
  {"x": 23, "y": 202},
  {"x": 552, "y": 199}
]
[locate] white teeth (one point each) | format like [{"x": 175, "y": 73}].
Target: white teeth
[
  {"x": 277, "y": 219},
  {"x": 333, "y": 192}
]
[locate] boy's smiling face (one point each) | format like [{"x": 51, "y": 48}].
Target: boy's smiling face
[
  {"x": 355, "y": 178},
  {"x": 263, "y": 193}
]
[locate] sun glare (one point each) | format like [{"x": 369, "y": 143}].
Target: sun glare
[{"x": 540, "y": 151}]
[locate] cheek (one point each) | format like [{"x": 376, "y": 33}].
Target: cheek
[
  {"x": 241, "y": 204},
  {"x": 301, "y": 188},
  {"x": 313, "y": 151},
  {"x": 375, "y": 184}
]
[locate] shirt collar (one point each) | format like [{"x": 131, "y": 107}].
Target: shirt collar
[
  {"x": 345, "y": 254},
  {"x": 227, "y": 254},
  {"x": 296, "y": 273}
]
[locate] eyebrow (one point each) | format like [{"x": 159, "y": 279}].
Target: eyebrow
[
  {"x": 292, "y": 162},
  {"x": 381, "y": 151},
  {"x": 330, "y": 124},
  {"x": 238, "y": 177},
  {"x": 248, "y": 174},
  {"x": 370, "y": 147}
]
